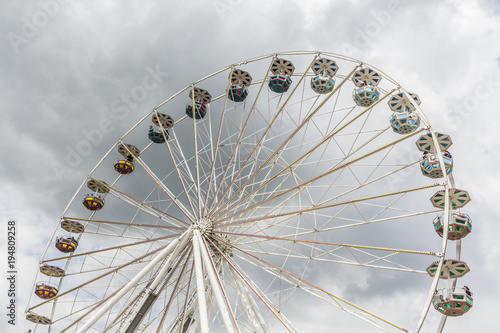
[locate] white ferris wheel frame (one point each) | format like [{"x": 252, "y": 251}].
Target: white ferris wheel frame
[{"x": 198, "y": 208}]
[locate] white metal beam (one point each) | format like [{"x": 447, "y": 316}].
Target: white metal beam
[{"x": 132, "y": 283}]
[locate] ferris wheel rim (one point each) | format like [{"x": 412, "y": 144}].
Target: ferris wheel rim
[{"x": 191, "y": 87}]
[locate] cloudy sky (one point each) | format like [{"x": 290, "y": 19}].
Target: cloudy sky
[{"x": 65, "y": 64}]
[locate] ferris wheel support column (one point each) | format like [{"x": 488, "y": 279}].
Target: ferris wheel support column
[
  {"x": 200, "y": 286},
  {"x": 135, "y": 280},
  {"x": 140, "y": 309},
  {"x": 214, "y": 281}
]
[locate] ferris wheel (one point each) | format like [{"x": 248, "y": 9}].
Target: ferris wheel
[{"x": 293, "y": 192}]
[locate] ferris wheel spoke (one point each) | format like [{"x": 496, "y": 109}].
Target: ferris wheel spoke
[
  {"x": 176, "y": 153},
  {"x": 147, "y": 208},
  {"x": 314, "y": 123},
  {"x": 89, "y": 310},
  {"x": 309, "y": 241},
  {"x": 290, "y": 278},
  {"x": 352, "y": 310},
  {"x": 239, "y": 177},
  {"x": 257, "y": 145},
  {"x": 236, "y": 144},
  {"x": 333, "y": 169},
  {"x": 362, "y": 256},
  {"x": 326, "y": 139},
  {"x": 278, "y": 276},
  {"x": 181, "y": 167},
  {"x": 265, "y": 192},
  {"x": 253, "y": 313},
  {"x": 209, "y": 162},
  {"x": 279, "y": 161},
  {"x": 362, "y": 126},
  {"x": 141, "y": 205},
  {"x": 342, "y": 260},
  {"x": 334, "y": 182},
  {"x": 366, "y": 183},
  {"x": 160, "y": 184},
  {"x": 283, "y": 144},
  {"x": 292, "y": 231},
  {"x": 129, "y": 231},
  {"x": 296, "y": 130},
  {"x": 196, "y": 152},
  {"x": 111, "y": 271},
  {"x": 319, "y": 207},
  {"x": 237, "y": 158},
  {"x": 215, "y": 147},
  {"x": 260, "y": 295},
  {"x": 126, "y": 224},
  {"x": 153, "y": 240},
  {"x": 377, "y": 166},
  {"x": 177, "y": 156},
  {"x": 289, "y": 171}
]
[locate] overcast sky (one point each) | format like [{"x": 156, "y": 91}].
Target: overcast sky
[{"x": 64, "y": 64}]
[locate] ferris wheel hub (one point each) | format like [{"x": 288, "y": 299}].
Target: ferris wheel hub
[{"x": 204, "y": 225}]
